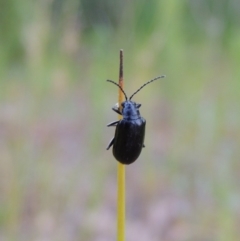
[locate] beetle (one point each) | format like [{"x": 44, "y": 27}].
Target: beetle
[{"x": 128, "y": 140}]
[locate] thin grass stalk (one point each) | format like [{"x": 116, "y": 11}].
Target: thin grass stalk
[{"x": 120, "y": 171}]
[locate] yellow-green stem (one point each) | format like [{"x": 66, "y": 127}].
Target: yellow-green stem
[
  {"x": 121, "y": 203},
  {"x": 121, "y": 172}
]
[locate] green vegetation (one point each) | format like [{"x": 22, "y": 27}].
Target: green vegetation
[{"x": 57, "y": 181}]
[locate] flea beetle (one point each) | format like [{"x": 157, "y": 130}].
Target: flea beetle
[{"x": 128, "y": 140}]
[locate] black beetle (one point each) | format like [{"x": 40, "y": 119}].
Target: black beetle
[{"x": 130, "y": 131}]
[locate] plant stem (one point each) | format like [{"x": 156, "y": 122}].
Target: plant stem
[{"x": 120, "y": 171}]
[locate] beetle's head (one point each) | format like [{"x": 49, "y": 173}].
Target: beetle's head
[{"x": 130, "y": 110}]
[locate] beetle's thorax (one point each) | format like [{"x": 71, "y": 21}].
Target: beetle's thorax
[{"x": 130, "y": 110}]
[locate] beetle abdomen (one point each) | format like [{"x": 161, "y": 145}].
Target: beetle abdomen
[{"x": 129, "y": 140}]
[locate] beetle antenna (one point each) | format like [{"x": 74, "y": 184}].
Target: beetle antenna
[
  {"x": 119, "y": 88},
  {"x": 150, "y": 81}
]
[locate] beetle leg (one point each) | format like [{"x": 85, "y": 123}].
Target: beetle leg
[
  {"x": 138, "y": 105},
  {"x": 143, "y": 145},
  {"x": 110, "y": 143},
  {"x": 114, "y": 123},
  {"x": 117, "y": 110}
]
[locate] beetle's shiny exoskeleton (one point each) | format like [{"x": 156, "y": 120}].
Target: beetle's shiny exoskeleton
[{"x": 130, "y": 131}]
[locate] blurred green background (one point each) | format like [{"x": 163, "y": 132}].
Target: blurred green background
[{"x": 57, "y": 181}]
